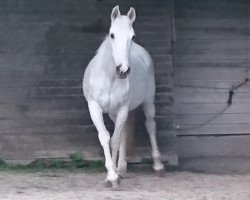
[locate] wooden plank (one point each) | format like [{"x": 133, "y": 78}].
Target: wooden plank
[
  {"x": 219, "y": 61},
  {"x": 212, "y": 4},
  {"x": 40, "y": 118},
  {"x": 187, "y": 85},
  {"x": 59, "y": 82},
  {"x": 210, "y": 90},
  {"x": 190, "y": 147},
  {"x": 213, "y": 54},
  {"x": 164, "y": 80},
  {"x": 163, "y": 96},
  {"x": 210, "y": 9},
  {"x": 37, "y": 119},
  {"x": 16, "y": 95},
  {"x": 212, "y": 97},
  {"x": 216, "y": 118},
  {"x": 209, "y": 73},
  {"x": 188, "y": 33},
  {"x": 212, "y": 63},
  {"x": 163, "y": 110},
  {"x": 199, "y": 108},
  {"x": 212, "y": 44},
  {"x": 52, "y": 105},
  {"x": 36, "y": 63},
  {"x": 210, "y": 22},
  {"x": 164, "y": 123},
  {"x": 62, "y": 129},
  {"x": 42, "y": 91},
  {"x": 213, "y": 129},
  {"x": 24, "y": 145},
  {"x": 217, "y": 164}
]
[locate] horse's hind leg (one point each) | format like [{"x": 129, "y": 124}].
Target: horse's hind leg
[{"x": 149, "y": 110}]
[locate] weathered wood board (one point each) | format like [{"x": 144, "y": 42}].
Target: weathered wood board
[
  {"x": 212, "y": 56},
  {"x": 44, "y": 49}
]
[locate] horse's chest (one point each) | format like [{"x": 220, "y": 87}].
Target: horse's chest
[{"x": 111, "y": 96}]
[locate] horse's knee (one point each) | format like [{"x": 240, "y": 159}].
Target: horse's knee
[
  {"x": 156, "y": 154},
  {"x": 104, "y": 138},
  {"x": 115, "y": 144},
  {"x": 150, "y": 125},
  {"x": 122, "y": 164},
  {"x": 149, "y": 110}
]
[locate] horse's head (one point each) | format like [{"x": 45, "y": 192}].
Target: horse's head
[{"x": 121, "y": 33}]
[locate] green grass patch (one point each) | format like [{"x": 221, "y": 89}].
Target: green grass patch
[
  {"x": 3, "y": 164},
  {"x": 75, "y": 161}
]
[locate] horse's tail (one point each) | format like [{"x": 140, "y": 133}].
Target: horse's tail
[{"x": 130, "y": 130}]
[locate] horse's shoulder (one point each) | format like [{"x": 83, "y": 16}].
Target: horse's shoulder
[
  {"x": 136, "y": 48},
  {"x": 139, "y": 52}
]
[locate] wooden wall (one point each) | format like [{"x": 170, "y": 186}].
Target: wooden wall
[
  {"x": 45, "y": 46},
  {"x": 212, "y": 55}
]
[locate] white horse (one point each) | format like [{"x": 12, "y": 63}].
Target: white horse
[{"x": 119, "y": 78}]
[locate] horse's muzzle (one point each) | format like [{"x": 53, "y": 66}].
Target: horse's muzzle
[{"x": 122, "y": 74}]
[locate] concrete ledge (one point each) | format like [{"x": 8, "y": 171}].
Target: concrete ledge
[{"x": 218, "y": 165}]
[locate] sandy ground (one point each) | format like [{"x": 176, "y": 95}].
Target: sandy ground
[{"x": 65, "y": 185}]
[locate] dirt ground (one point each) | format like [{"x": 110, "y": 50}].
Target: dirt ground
[{"x": 68, "y": 185}]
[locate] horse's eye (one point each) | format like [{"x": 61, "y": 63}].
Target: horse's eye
[{"x": 112, "y": 35}]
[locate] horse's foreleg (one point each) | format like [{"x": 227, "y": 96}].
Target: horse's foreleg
[
  {"x": 122, "y": 160},
  {"x": 96, "y": 114},
  {"x": 116, "y": 138},
  {"x": 149, "y": 110}
]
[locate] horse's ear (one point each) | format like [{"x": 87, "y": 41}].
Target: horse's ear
[
  {"x": 131, "y": 14},
  {"x": 115, "y": 13}
]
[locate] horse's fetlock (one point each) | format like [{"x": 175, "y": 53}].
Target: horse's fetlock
[
  {"x": 122, "y": 168},
  {"x": 156, "y": 155},
  {"x": 112, "y": 176},
  {"x": 158, "y": 166},
  {"x": 109, "y": 166}
]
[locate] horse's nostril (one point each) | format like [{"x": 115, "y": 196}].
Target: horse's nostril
[
  {"x": 120, "y": 73},
  {"x": 119, "y": 66},
  {"x": 118, "y": 70},
  {"x": 128, "y": 71}
]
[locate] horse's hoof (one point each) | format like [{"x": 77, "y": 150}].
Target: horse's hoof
[
  {"x": 160, "y": 172},
  {"x": 113, "y": 184},
  {"x": 120, "y": 177},
  {"x": 107, "y": 183}
]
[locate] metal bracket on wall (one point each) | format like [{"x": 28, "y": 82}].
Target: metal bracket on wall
[{"x": 234, "y": 88}]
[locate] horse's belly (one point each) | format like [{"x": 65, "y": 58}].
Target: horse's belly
[
  {"x": 135, "y": 100},
  {"x": 116, "y": 101},
  {"x": 138, "y": 92}
]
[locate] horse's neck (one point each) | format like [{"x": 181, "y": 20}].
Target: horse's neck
[{"x": 106, "y": 62}]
